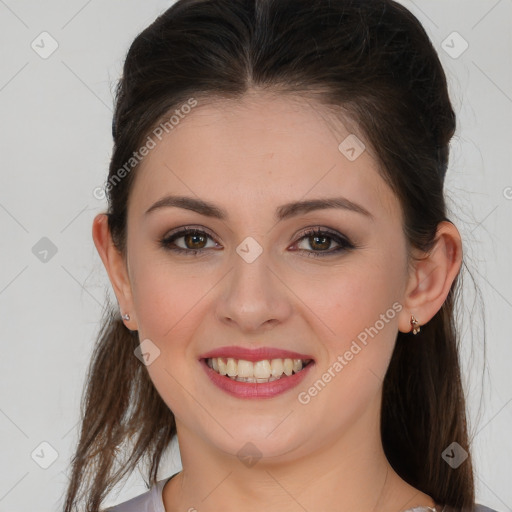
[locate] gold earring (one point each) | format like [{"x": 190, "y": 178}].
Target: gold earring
[{"x": 415, "y": 325}]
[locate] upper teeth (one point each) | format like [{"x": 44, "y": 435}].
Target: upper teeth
[{"x": 267, "y": 369}]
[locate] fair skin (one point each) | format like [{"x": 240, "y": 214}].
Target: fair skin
[{"x": 249, "y": 158}]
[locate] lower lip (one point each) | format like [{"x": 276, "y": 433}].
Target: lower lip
[{"x": 254, "y": 389}]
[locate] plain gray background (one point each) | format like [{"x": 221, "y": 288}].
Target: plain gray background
[{"x": 56, "y": 142}]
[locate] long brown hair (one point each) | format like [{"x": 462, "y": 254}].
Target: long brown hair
[{"x": 373, "y": 59}]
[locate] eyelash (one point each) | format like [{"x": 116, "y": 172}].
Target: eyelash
[{"x": 344, "y": 243}]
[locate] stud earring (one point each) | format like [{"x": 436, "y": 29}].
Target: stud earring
[
  {"x": 415, "y": 325},
  {"x": 126, "y": 316}
]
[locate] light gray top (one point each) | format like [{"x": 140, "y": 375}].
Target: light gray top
[{"x": 152, "y": 501}]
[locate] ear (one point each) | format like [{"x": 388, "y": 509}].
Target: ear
[
  {"x": 115, "y": 266},
  {"x": 431, "y": 277}
]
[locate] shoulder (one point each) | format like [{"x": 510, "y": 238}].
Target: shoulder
[
  {"x": 150, "y": 501},
  {"x": 483, "y": 508},
  {"x": 476, "y": 508}
]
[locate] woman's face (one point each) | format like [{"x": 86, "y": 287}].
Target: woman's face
[{"x": 260, "y": 281}]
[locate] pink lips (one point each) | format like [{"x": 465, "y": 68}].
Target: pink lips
[
  {"x": 256, "y": 354},
  {"x": 254, "y": 389}
]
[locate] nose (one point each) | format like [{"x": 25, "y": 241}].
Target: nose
[{"x": 254, "y": 297}]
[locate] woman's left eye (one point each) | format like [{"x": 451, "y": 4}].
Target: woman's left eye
[
  {"x": 322, "y": 239},
  {"x": 195, "y": 242}
]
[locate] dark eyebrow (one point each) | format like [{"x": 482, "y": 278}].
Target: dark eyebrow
[{"x": 283, "y": 212}]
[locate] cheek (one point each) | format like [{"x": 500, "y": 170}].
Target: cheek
[
  {"x": 170, "y": 302},
  {"x": 361, "y": 307},
  {"x": 351, "y": 297},
  {"x": 353, "y": 310},
  {"x": 166, "y": 295}
]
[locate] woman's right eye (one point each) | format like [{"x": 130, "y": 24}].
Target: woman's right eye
[{"x": 194, "y": 241}]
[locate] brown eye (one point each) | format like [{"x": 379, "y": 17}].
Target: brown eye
[
  {"x": 320, "y": 241},
  {"x": 194, "y": 241}
]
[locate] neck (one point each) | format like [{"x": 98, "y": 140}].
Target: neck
[{"x": 348, "y": 472}]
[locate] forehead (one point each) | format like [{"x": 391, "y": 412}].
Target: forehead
[{"x": 266, "y": 149}]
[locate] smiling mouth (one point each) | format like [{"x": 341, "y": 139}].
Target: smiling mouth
[{"x": 266, "y": 370}]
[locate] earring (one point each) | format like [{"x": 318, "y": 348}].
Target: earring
[
  {"x": 125, "y": 316},
  {"x": 415, "y": 325}
]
